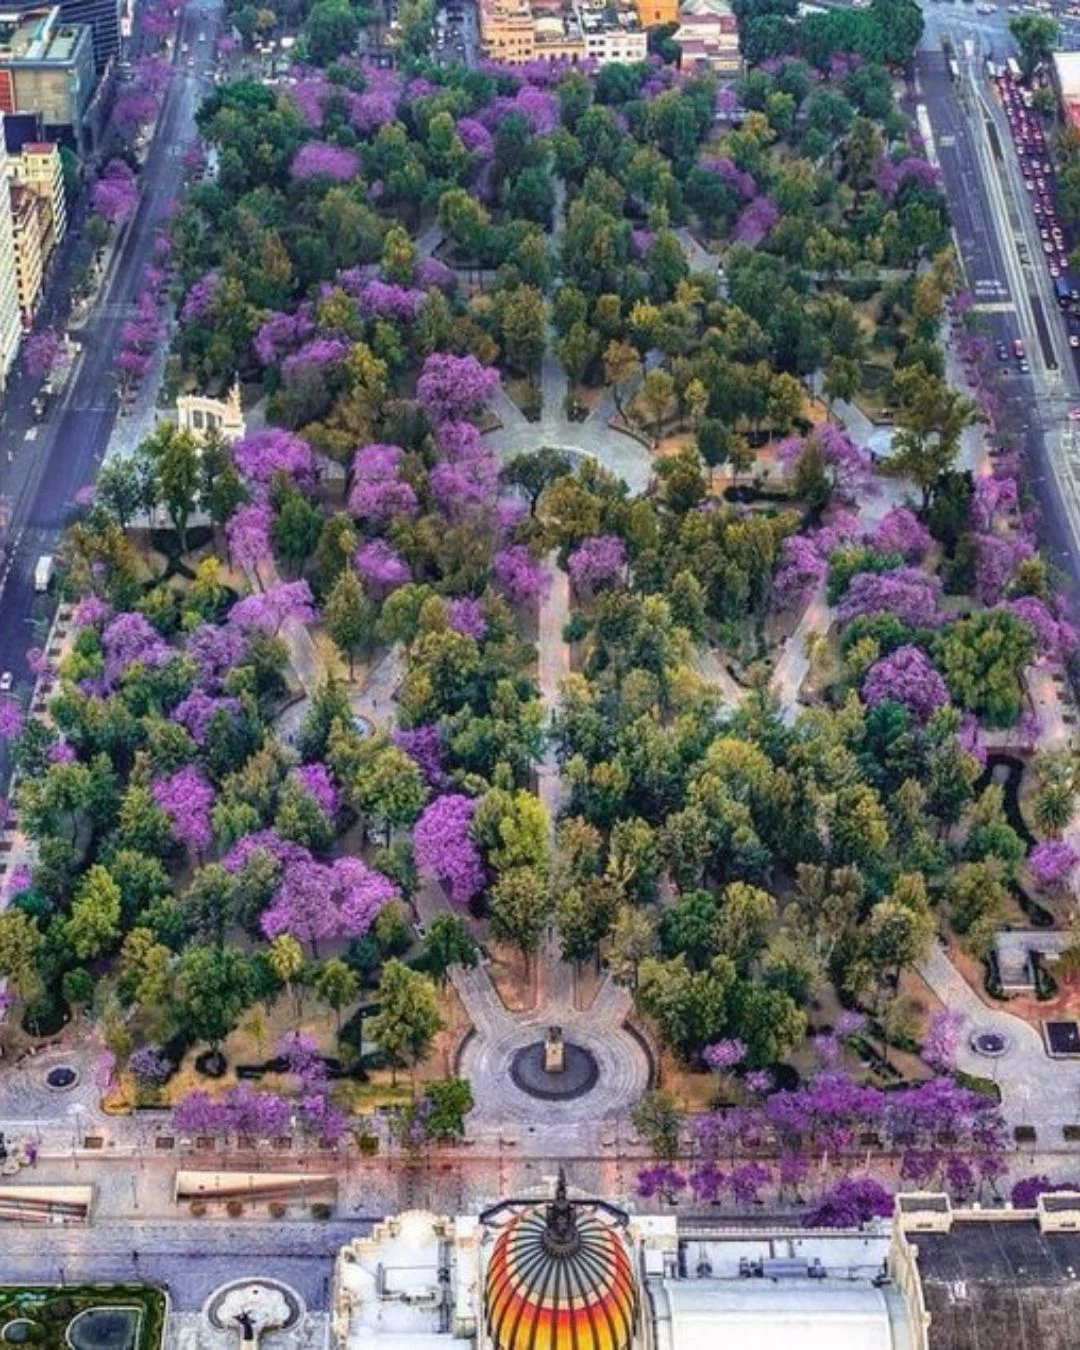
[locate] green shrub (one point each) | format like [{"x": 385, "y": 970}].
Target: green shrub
[{"x": 986, "y": 1087}]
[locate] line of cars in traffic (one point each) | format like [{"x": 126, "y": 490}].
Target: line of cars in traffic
[{"x": 1037, "y": 167}]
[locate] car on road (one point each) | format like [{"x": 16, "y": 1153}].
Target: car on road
[
  {"x": 1074, "y": 340},
  {"x": 6, "y": 682},
  {"x": 1025, "y": 369},
  {"x": 1002, "y": 351}
]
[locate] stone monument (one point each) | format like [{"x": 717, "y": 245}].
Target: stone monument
[{"x": 554, "y": 1051}]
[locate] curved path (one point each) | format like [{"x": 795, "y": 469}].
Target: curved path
[{"x": 1035, "y": 1089}]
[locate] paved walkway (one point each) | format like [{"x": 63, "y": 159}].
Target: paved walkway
[
  {"x": 710, "y": 666},
  {"x": 560, "y": 1128},
  {"x": 882, "y": 495},
  {"x": 555, "y": 978},
  {"x": 1035, "y": 1089},
  {"x": 592, "y": 438},
  {"x": 555, "y": 1129}
]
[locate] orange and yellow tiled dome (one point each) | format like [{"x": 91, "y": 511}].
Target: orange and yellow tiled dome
[{"x": 560, "y": 1280}]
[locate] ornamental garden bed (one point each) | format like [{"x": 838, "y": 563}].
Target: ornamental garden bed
[{"x": 83, "y": 1317}]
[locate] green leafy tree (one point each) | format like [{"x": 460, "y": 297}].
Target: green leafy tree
[
  {"x": 513, "y": 828},
  {"x": 1036, "y": 36},
  {"x": 930, "y": 419},
  {"x": 522, "y": 316},
  {"x": 174, "y": 459},
  {"x": 331, "y": 31},
  {"x": 689, "y": 1007},
  {"x": 389, "y": 789},
  {"x": 659, "y": 1121},
  {"x": 449, "y": 1101},
  {"x": 532, "y": 472},
  {"x": 94, "y": 923},
  {"x": 349, "y": 617},
  {"x": 123, "y": 489},
  {"x": 584, "y": 916},
  {"x": 336, "y": 984},
  {"x": 982, "y": 659},
  {"x": 633, "y": 938},
  {"x": 519, "y": 909},
  {"x": 296, "y": 530},
  {"x": 20, "y": 952},
  {"x": 145, "y": 970},
  {"x": 285, "y": 956},
  {"x": 213, "y": 987},
  {"x": 408, "y": 1017},
  {"x": 448, "y": 943},
  {"x": 657, "y": 392}
]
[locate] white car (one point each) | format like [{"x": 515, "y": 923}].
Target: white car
[
  {"x": 6, "y": 681},
  {"x": 1074, "y": 341}
]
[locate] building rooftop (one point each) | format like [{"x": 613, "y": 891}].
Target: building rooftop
[
  {"x": 706, "y": 9},
  {"x": 36, "y": 36},
  {"x": 1000, "y": 1284},
  {"x": 1067, "y": 65}
]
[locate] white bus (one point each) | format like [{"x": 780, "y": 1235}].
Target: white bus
[{"x": 1013, "y": 67}]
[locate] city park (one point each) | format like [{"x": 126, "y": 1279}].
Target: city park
[{"x": 580, "y": 635}]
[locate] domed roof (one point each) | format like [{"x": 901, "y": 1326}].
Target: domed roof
[{"x": 560, "y": 1280}]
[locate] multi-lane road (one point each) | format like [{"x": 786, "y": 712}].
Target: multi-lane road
[
  {"x": 41, "y": 474},
  {"x": 989, "y": 224}
]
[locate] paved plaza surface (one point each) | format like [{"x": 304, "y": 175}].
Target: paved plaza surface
[{"x": 515, "y": 1142}]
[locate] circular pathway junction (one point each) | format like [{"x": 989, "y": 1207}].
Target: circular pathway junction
[
  {"x": 578, "y": 1075},
  {"x": 613, "y": 1071}
]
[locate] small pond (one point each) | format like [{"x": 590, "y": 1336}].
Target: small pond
[
  {"x": 990, "y": 1043},
  {"x": 105, "y": 1329},
  {"x": 18, "y": 1332}
]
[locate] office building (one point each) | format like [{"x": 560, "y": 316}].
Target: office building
[
  {"x": 102, "y": 17},
  {"x": 46, "y": 67}
]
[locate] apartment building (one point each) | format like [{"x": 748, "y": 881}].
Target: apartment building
[
  {"x": 27, "y": 227},
  {"x": 507, "y": 31},
  {"x": 519, "y": 31},
  {"x": 10, "y": 322},
  {"x": 612, "y": 34},
  {"x": 708, "y": 37},
  {"x": 38, "y": 168}
]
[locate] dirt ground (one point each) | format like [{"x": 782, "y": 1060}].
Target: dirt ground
[{"x": 515, "y": 985}]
